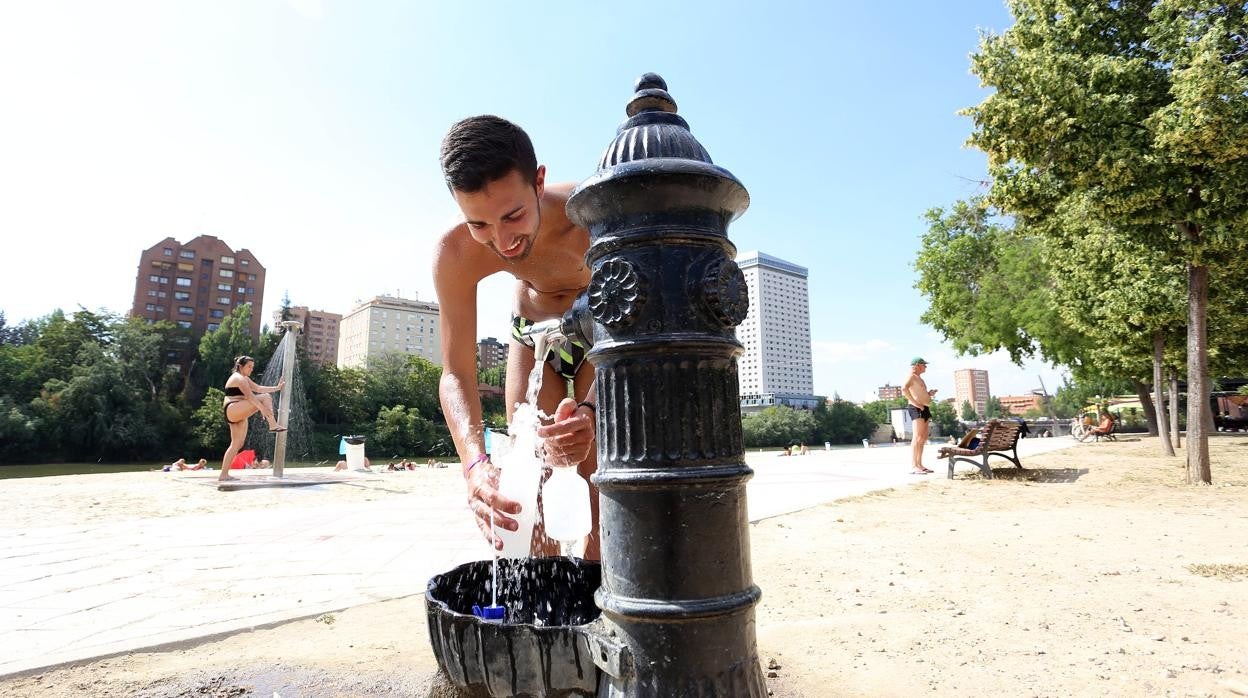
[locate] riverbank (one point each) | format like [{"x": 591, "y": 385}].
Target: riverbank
[{"x": 1094, "y": 572}]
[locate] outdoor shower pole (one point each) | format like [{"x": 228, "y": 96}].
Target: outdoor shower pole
[
  {"x": 664, "y": 297},
  {"x": 288, "y": 375}
]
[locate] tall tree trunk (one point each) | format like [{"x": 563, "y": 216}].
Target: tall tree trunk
[
  {"x": 1174, "y": 408},
  {"x": 1146, "y": 402},
  {"x": 1159, "y": 397},
  {"x": 1198, "y": 412}
]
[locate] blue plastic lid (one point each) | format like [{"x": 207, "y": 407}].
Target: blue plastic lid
[{"x": 489, "y": 612}]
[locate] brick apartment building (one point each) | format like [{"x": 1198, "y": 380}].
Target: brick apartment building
[
  {"x": 491, "y": 353},
  {"x": 320, "y": 332},
  {"x": 195, "y": 286},
  {"x": 1018, "y": 404},
  {"x": 888, "y": 392}
]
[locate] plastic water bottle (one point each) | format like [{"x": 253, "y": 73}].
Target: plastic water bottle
[
  {"x": 565, "y": 505},
  {"x": 519, "y": 480}
]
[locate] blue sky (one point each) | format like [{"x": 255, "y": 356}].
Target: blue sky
[{"x": 307, "y": 131}]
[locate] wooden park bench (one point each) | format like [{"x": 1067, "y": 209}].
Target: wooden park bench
[{"x": 998, "y": 439}]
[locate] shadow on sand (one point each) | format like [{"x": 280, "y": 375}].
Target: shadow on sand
[{"x": 1050, "y": 475}]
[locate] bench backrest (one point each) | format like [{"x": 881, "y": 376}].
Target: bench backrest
[{"x": 1001, "y": 436}]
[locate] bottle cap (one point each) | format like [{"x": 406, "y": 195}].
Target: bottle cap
[{"x": 490, "y": 613}]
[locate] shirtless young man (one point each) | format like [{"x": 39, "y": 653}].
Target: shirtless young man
[
  {"x": 920, "y": 407},
  {"x": 513, "y": 222}
]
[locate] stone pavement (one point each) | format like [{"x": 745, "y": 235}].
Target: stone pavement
[{"x": 73, "y": 593}]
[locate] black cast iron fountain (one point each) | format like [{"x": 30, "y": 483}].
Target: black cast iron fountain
[{"x": 676, "y": 595}]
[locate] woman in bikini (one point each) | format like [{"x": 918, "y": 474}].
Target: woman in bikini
[{"x": 243, "y": 398}]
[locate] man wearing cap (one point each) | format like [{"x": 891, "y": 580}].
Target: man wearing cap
[{"x": 920, "y": 408}]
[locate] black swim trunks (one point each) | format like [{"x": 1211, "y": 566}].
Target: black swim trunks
[
  {"x": 917, "y": 412},
  {"x": 565, "y": 359}
]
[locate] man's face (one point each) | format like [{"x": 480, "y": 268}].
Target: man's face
[
  {"x": 506, "y": 214},
  {"x": 919, "y": 368}
]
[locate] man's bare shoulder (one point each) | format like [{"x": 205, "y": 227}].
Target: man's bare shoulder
[
  {"x": 555, "y": 200},
  {"x": 458, "y": 256}
]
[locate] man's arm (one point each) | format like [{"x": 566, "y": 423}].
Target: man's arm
[
  {"x": 456, "y": 279},
  {"x": 458, "y": 389}
]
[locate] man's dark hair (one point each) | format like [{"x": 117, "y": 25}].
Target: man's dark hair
[{"x": 482, "y": 149}]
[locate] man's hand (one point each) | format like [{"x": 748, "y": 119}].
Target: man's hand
[
  {"x": 568, "y": 440},
  {"x": 483, "y": 497}
]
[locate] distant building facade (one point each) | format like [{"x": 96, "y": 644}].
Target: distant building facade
[
  {"x": 320, "y": 332},
  {"x": 1018, "y": 404},
  {"x": 195, "y": 286},
  {"x": 971, "y": 385},
  {"x": 491, "y": 353},
  {"x": 385, "y": 324},
  {"x": 775, "y": 368},
  {"x": 889, "y": 392}
]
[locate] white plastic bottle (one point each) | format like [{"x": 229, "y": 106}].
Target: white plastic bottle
[
  {"x": 565, "y": 505},
  {"x": 519, "y": 480}
]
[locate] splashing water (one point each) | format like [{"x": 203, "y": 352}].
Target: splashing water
[{"x": 299, "y": 424}]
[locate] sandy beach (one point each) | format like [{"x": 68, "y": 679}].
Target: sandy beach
[{"x": 1094, "y": 572}]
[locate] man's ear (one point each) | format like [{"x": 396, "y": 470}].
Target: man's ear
[{"x": 539, "y": 180}]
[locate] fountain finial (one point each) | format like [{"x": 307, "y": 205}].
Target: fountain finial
[
  {"x": 292, "y": 325},
  {"x": 651, "y": 95}
]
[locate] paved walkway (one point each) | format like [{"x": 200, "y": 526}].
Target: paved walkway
[{"x": 72, "y": 593}]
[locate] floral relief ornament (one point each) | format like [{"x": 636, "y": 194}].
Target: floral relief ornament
[
  {"x": 725, "y": 293},
  {"x": 616, "y": 293}
]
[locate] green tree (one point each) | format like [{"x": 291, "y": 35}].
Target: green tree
[
  {"x": 879, "y": 409},
  {"x": 219, "y": 348},
  {"x": 993, "y": 408},
  {"x": 842, "y": 422},
  {"x": 778, "y": 426},
  {"x": 1141, "y": 106},
  {"x": 968, "y": 411},
  {"x": 944, "y": 417},
  {"x": 988, "y": 289},
  {"x": 209, "y": 429}
]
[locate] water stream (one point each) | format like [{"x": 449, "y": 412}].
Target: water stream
[{"x": 299, "y": 437}]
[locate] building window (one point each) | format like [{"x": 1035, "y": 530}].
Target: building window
[
  {"x": 181, "y": 296},
  {"x": 152, "y": 293},
  {"x": 242, "y": 289},
  {"x": 168, "y": 251},
  {"x": 223, "y": 300},
  {"x": 243, "y": 262},
  {"x": 187, "y": 254},
  {"x": 162, "y": 294},
  {"x": 224, "y": 287},
  {"x": 251, "y": 277},
  {"x": 227, "y": 259},
  {"x": 184, "y": 266},
  {"x": 154, "y": 278},
  {"x": 184, "y": 324},
  {"x": 150, "y": 307},
  {"x": 182, "y": 281},
  {"x": 226, "y": 273},
  {"x": 212, "y": 327},
  {"x": 185, "y": 310},
  {"x": 217, "y": 313}
]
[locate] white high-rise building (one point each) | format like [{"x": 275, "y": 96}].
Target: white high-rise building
[
  {"x": 386, "y": 324},
  {"x": 775, "y": 368}
]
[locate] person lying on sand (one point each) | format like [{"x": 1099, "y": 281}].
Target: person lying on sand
[{"x": 180, "y": 464}]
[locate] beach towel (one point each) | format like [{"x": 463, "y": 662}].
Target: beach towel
[{"x": 243, "y": 459}]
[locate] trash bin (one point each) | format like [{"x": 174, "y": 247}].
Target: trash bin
[{"x": 355, "y": 452}]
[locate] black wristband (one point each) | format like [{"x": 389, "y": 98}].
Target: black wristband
[{"x": 590, "y": 405}]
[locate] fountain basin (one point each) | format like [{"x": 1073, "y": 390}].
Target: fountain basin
[{"x": 541, "y": 648}]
